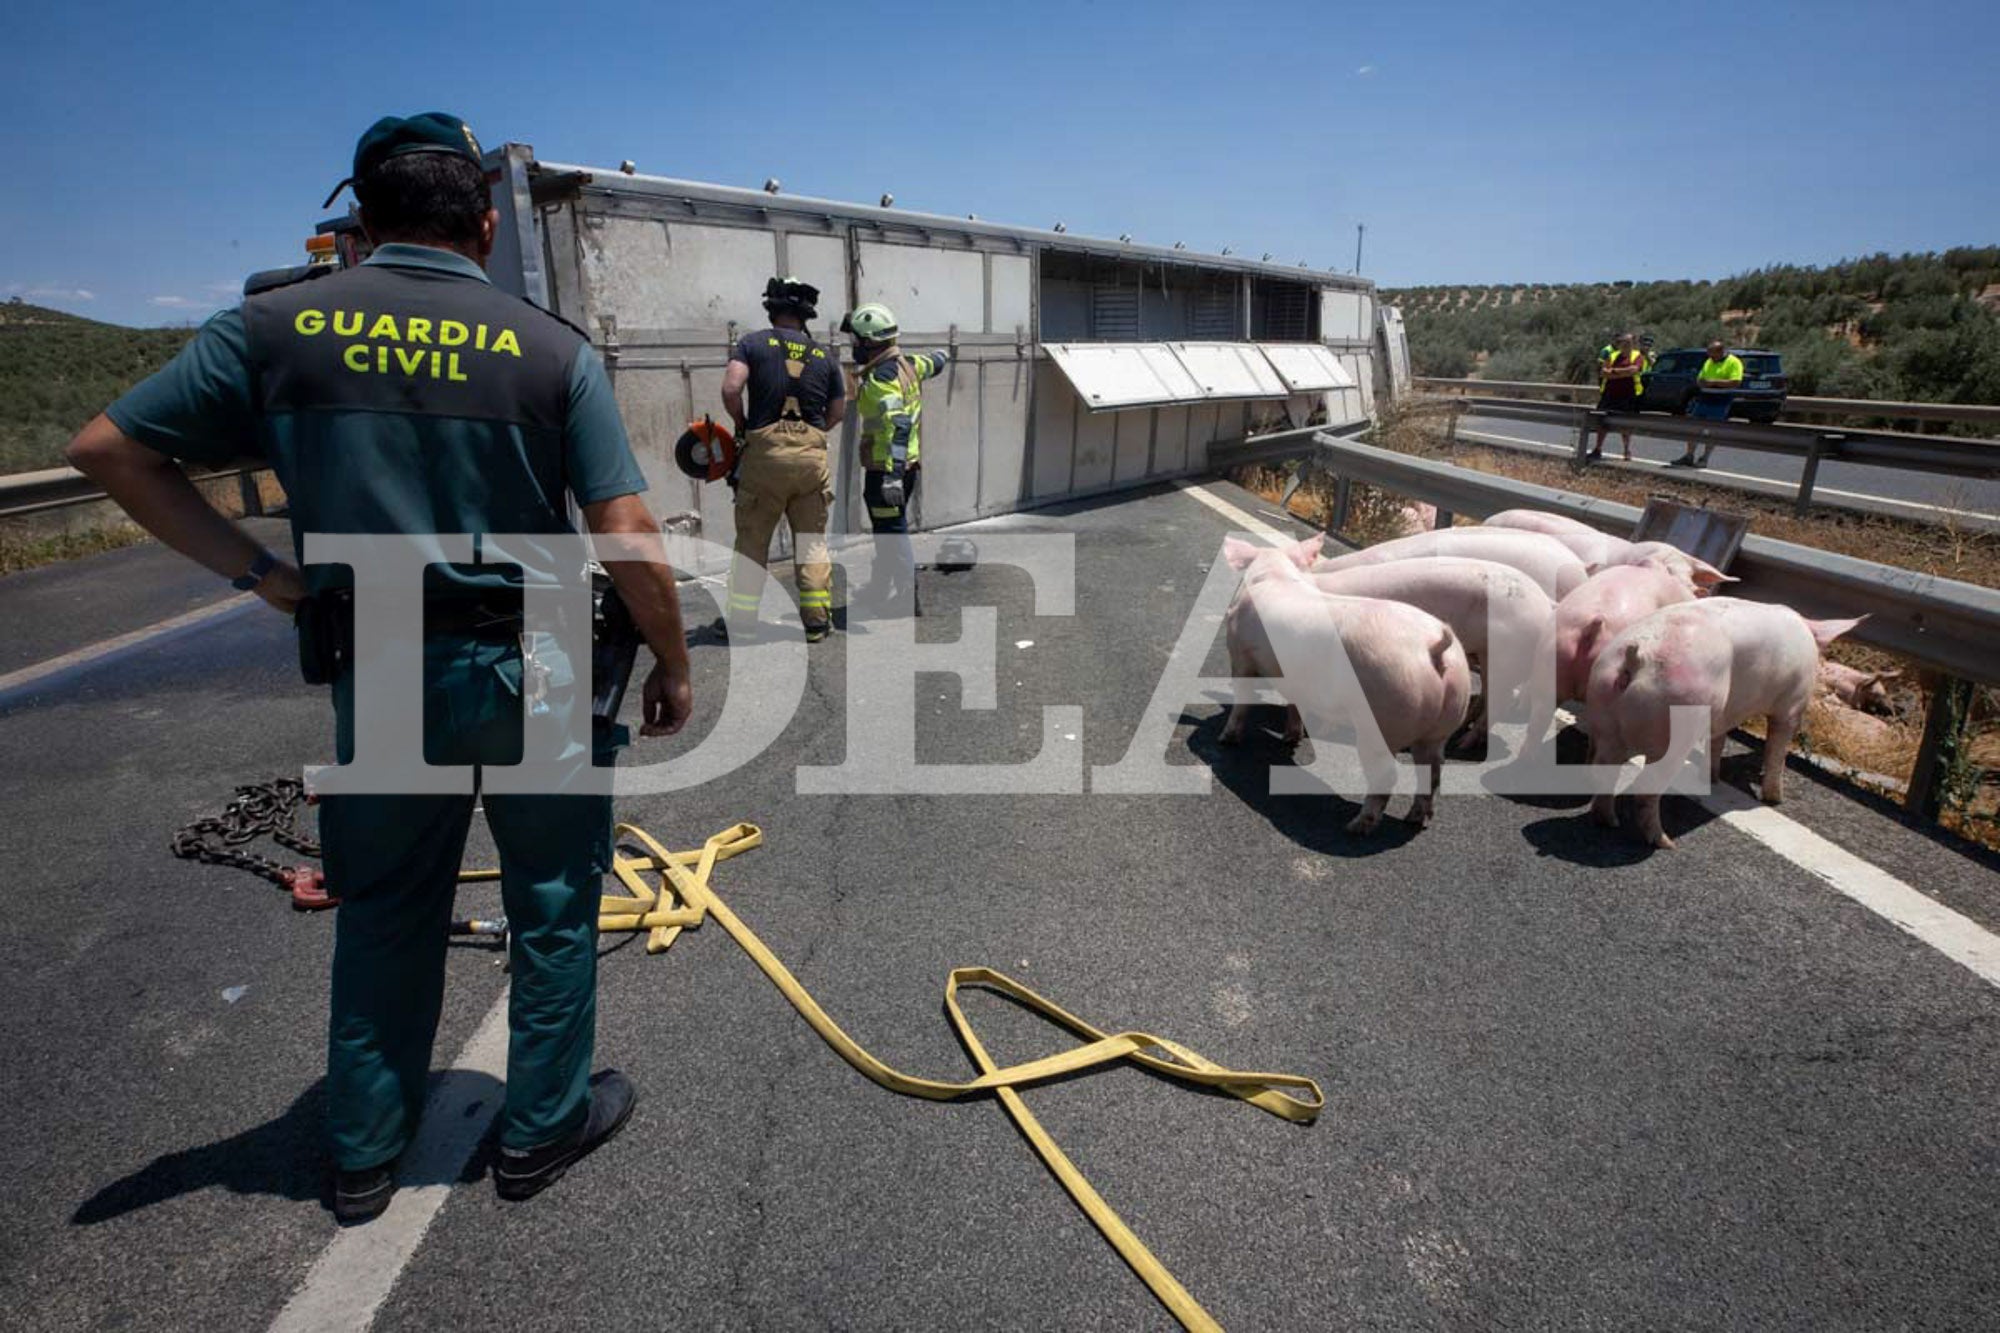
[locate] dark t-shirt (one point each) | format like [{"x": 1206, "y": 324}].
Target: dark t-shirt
[{"x": 820, "y": 380}]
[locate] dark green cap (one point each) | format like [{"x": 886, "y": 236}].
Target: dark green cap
[{"x": 397, "y": 136}]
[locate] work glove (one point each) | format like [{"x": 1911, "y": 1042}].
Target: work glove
[{"x": 892, "y": 490}]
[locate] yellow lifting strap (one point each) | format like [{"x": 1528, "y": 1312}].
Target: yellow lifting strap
[{"x": 684, "y": 899}]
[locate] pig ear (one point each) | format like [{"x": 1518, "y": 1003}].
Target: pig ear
[
  {"x": 1881, "y": 676},
  {"x": 1307, "y": 551},
  {"x": 1238, "y": 552},
  {"x": 1707, "y": 575},
  {"x": 1826, "y": 631}
]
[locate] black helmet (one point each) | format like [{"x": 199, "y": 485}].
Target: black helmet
[{"x": 802, "y": 298}]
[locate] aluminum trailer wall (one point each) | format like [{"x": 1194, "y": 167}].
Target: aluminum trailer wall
[{"x": 665, "y": 275}]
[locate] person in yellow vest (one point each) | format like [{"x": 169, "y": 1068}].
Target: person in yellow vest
[
  {"x": 1624, "y": 381},
  {"x": 889, "y": 395},
  {"x": 1718, "y": 380}
]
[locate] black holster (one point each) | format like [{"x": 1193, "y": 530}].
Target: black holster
[{"x": 325, "y": 624}]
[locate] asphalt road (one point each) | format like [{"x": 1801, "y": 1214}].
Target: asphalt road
[
  {"x": 1570, "y": 1083},
  {"x": 1836, "y": 481}
]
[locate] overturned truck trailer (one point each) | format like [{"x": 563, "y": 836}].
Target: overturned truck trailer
[{"x": 1080, "y": 366}]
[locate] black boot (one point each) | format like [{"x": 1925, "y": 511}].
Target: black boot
[
  {"x": 522, "y": 1173},
  {"x": 360, "y": 1196}
]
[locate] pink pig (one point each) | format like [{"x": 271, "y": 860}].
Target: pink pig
[
  {"x": 1856, "y": 688},
  {"x": 1736, "y": 659},
  {"x": 1588, "y": 619},
  {"x": 1410, "y": 667},
  {"x": 1542, "y": 558},
  {"x": 1496, "y": 611},
  {"x": 1601, "y": 551}
]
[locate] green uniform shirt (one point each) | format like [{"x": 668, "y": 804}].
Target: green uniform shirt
[{"x": 407, "y": 395}]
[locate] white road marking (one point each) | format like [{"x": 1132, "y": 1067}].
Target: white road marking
[
  {"x": 1916, "y": 508},
  {"x": 359, "y": 1267},
  {"x": 96, "y": 651},
  {"x": 1957, "y": 937},
  {"x": 1243, "y": 518}
]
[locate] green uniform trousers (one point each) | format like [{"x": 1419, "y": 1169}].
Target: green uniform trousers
[{"x": 393, "y": 861}]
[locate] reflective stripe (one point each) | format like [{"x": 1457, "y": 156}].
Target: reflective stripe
[
  {"x": 884, "y": 511},
  {"x": 810, "y": 597},
  {"x": 741, "y": 601}
]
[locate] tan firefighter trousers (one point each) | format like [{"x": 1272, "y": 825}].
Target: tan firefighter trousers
[{"x": 783, "y": 475}]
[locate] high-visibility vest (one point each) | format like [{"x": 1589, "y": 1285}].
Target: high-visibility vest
[{"x": 1617, "y": 361}]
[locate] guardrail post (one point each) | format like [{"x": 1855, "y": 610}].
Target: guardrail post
[
  {"x": 1443, "y": 519},
  {"x": 1451, "y": 427},
  {"x": 1343, "y": 495},
  {"x": 1584, "y": 425},
  {"x": 1820, "y": 441},
  {"x": 1944, "y": 727},
  {"x": 251, "y": 494}
]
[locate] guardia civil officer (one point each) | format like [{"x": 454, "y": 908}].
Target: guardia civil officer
[
  {"x": 796, "y": 396},
  {"x": 408, "y": 395},
  {"x": 889, "y": 395}
]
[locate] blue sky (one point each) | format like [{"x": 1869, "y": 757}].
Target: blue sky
[{"x": 155, "y": 153}]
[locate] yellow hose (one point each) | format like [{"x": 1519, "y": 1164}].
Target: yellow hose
[{"x": 684, "y": 899}]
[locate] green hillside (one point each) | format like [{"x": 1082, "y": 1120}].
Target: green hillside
[
  {"x": 1911, "y": 327},
  {"x": 58, "y": 370}
]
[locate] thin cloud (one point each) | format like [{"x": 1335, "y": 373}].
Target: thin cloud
[
  {"x": 179, "y": 303},
  {"x": 51, "y": 293},
  {"x": 1365, "y": 71}
]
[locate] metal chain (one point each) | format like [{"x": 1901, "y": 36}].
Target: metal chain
[{"x": 264, "y": 809}]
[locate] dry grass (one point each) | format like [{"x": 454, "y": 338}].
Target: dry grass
[
  {"x": 1886, "y": 747},
  {"x": 18, "y": 553}
]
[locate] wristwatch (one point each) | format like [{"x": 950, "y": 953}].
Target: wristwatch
[{"x": 251, "y": 577}]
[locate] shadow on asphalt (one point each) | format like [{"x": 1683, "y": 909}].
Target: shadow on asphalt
[
  {"x": 1581, "y": 840},
  {"x": 285, "y": 1157},
  {"x": 1315, "y": 822}
]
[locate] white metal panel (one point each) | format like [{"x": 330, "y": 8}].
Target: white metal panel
[
  {"x": 679, "y": 275},
  {"x": 1306, "y": 367},
  {"x": 1096, "y": 448},
  {"x": 1203, "y": 424},
  {"x": 1230, "y": 370},
  {"x": 1055, "y": 431},
  {"x": 1170, "y": 440},
  {"x": 1115, "y": 375},
  {"x": 950, "y": 489},
  {"x": 1340, "y": 316},
  {"x": 1013, "y": 295},
  {"x": 821, "y": 261},
  {"x": 1003, "y": 435},
  {"x": 930, "y": 290},
  {"x": 1398, "y": 344},
  {"x": 1135, "y": 443}
]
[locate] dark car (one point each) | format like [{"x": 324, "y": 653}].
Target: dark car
[{"x": 1671, "y": 383}]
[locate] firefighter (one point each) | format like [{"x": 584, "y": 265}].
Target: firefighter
[
  {"x": 409, "y": 395},
  {"x": 889, "y": 396},
  {"x": 795, "y": 397}
]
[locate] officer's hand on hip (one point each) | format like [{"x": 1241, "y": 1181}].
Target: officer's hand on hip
[
  {"x": 669, "y": 699},
  {"x": 284, "y": 587}
]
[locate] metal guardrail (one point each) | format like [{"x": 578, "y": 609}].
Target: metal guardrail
[
  {"x": 1972, "y": 414},
  {"x": 1949, "y": 626},
  {"x": 63, "y": 487},
  {"x": 1943, "y": 455}
]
